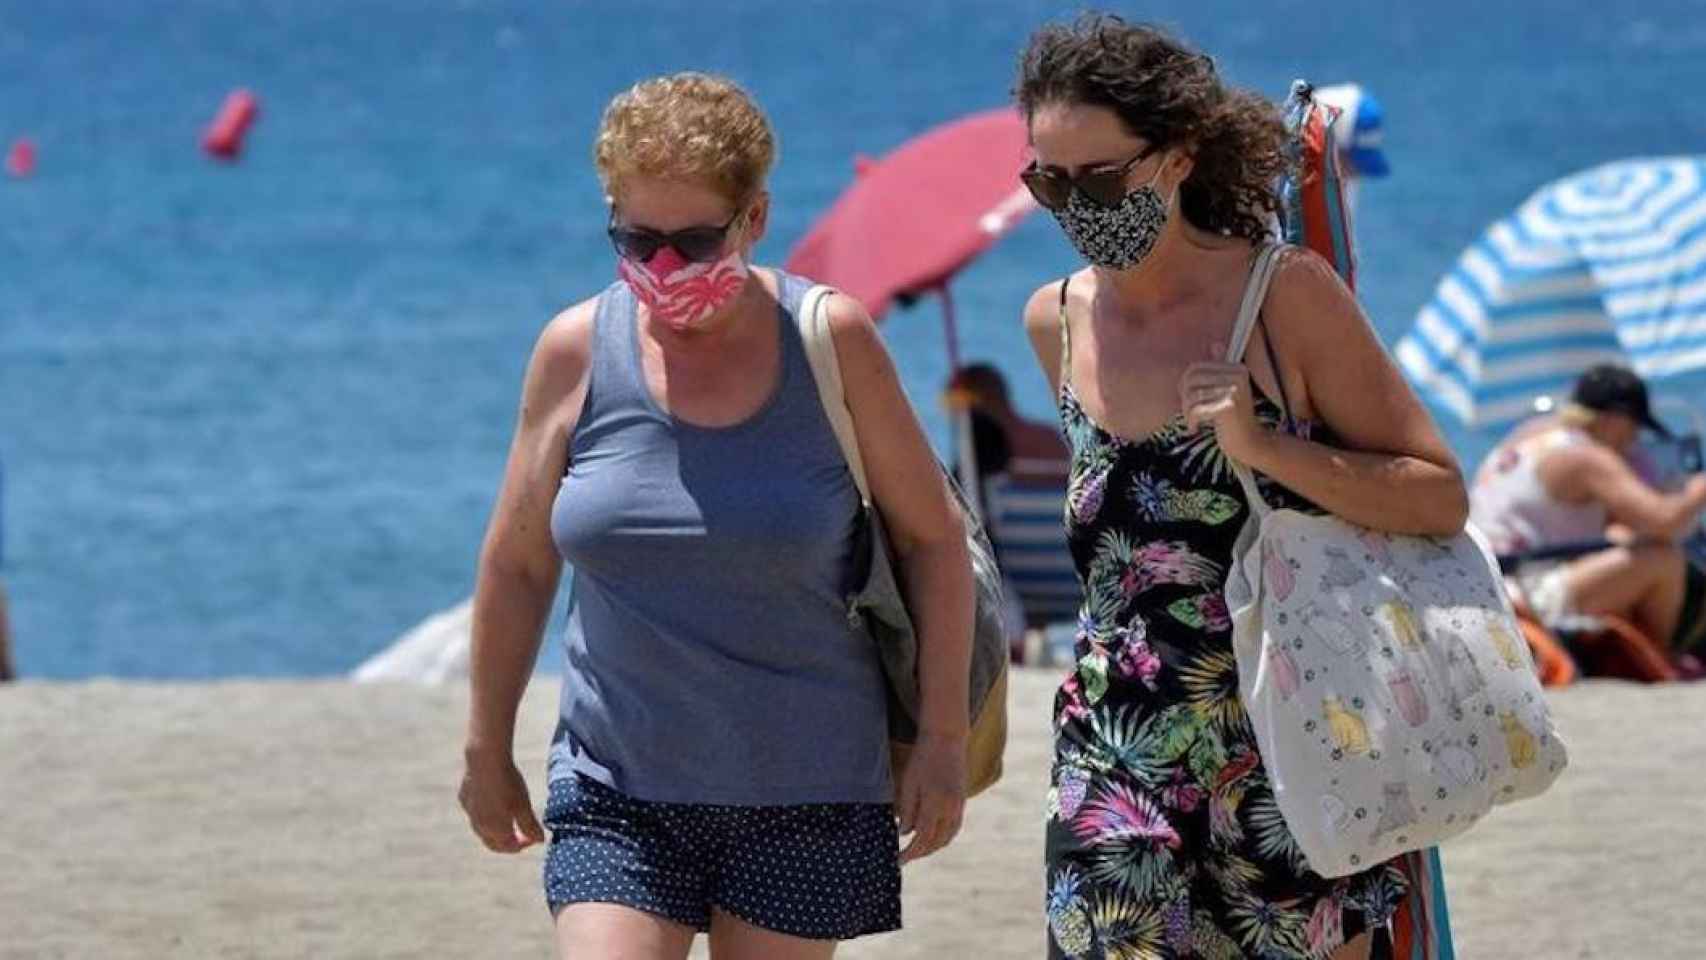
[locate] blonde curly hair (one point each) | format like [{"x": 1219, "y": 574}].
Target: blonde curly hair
[{"x": 690, "y": 127}]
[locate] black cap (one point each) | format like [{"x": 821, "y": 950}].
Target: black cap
[{"x": 1609, "y": 388}]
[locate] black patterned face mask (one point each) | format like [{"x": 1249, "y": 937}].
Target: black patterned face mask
[{"x": 1115, "y": 238}]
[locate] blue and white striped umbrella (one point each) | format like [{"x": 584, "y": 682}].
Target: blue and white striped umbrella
[{"x": 1607, "y": 265}]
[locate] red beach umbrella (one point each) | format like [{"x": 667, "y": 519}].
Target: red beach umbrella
[{"x": 915, "y": 217}]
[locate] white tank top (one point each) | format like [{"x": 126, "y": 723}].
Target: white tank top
[{"x": 1511, "y": 505}]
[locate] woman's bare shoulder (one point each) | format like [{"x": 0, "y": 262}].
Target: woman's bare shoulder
[
  {"x": 1043, "y": 307},
  {"x": 563, "y": 354}
]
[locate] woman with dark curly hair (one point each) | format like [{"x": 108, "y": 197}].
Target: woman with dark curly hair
[{"x": 1164, "y": 838}]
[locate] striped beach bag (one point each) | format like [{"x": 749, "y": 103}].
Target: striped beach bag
[{"x": 1315, "y": 213}]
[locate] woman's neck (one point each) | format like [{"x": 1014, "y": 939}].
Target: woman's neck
[{"x": 1177, "y": 271}]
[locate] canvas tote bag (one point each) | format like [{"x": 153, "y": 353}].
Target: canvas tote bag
[
  {"x": 880, "y": 604},
  {"x": 1391, "y": 693}
]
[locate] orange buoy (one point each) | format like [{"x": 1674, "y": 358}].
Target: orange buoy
[
  {"x": 223, "y": 139},
  {"x": 21, "y": 159}
]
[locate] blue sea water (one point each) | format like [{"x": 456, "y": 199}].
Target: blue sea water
[{"x": 253, "y": 417}]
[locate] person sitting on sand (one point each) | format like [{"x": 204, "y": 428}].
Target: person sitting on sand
[
  {"x": 1011, "y": 454},
  {"x": 721, "y": 759},
  {"x": 1028, "y": 451},
  {"x": 1568, "y": 479}
]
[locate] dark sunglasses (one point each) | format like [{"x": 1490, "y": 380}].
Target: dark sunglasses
[
  {"x": 1052, "y": 186},
  {"x": 695, "y": 244}
]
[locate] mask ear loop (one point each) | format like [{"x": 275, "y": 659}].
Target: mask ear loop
[
  {"x": 744, "y": 220},
  {"x": 1172, "y": 196}
]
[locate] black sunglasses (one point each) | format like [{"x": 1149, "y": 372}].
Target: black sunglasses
[
  {"x": 1052, "y": 186},
  {"x": 695, "y": 244}
]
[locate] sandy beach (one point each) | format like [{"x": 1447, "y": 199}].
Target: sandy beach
[{"x": 318, "y": 819}]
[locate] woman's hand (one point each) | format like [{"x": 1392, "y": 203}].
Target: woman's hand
[
  {"x": 932, "y": 797},
  {"x": 494, "y": 795},
  {"x": 1218, "y": 395}
]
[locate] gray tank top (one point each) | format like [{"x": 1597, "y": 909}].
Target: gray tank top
[{"x": 709, "y": 653}]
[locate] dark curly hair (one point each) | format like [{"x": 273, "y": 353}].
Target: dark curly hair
[{"x": 1168, "y": 94}]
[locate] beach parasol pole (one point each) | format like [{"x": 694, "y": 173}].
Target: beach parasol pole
[{"x": 950, "y": 328}]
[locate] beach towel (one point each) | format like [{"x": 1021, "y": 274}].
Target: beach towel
[{"x": 1314, "y": 212}]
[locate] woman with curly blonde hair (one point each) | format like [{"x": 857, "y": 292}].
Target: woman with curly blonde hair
[
  {"x": 720, "y": 763},
  {"x": 1164, "y": 838}
]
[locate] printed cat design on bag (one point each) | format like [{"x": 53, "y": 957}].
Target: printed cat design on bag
[
  {"x": 1349, "y": 732},
  {"x": 1396, "y": 813},
  {"x": 1332, "y": 630},
  {"x": 1401, "y": 620},
  {"x": 1335, "y": 814},
  {"x": 1342, "y": 572},
  {"x": 1464, "y": 673},
  {"x": 1461, "y": 766},
  {"x": 1506, "y": 645},
  {"x": 1520, "y": 742}
]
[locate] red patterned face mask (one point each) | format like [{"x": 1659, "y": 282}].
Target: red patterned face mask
[{"x": 679, "y": 292}]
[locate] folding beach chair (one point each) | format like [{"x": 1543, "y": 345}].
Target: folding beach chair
[{"x": 1026, "y": 522}]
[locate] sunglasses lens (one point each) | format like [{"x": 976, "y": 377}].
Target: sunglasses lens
[
  {"x": 1106, "y": 187},
  {"x": 1050, "y": 189},
  {"x": 700, "y": 245},
  {"x": 634, "y": 244}
]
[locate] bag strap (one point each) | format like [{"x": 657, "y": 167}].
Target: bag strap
[
  {"x": 1250, "y": 309},
  {"x": 826, "y": 370},
  {"x": 1256, "y": 291}
]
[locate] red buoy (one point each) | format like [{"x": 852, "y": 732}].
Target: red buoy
[
  {"x": 224, "y": 137},
  {"x": 21, "y": 159}
]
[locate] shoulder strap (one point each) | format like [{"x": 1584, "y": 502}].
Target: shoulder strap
[
  {"x": 1261, "y": 272},
  {"x": 826, "y": 370},
  {"x": 1065, "y": 335}
]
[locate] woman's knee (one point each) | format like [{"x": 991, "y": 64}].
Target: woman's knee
[
  {"x": 1645, "y": 562},
  {"x": 1660, "y": 561},
  {"x": 733, "y": 938},
  {"x": 616, "y": 931}
]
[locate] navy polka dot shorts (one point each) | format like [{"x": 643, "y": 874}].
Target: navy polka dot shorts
[{"x": 822, "y": 871}]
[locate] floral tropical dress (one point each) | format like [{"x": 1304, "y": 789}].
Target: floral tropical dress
[{"x": 1164, "y": 838}]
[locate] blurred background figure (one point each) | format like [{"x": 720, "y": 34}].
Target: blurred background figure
[
  {"x": 1581, "y": 530},
  {"x": 1004, "y": 442},
  {"x": 1015, "y": 470}
]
